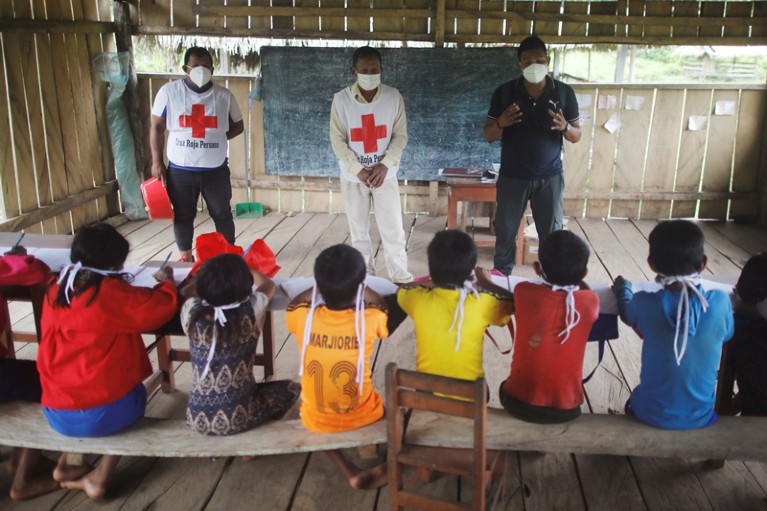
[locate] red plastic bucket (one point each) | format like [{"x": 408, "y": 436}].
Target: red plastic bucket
[{"x": 156, "y": 199}]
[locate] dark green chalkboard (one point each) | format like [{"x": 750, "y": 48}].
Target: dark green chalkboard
[{"x": 446, "y": 91}]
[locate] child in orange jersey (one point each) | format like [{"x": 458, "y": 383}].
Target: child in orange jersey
[{"x": 335, "y": 333}]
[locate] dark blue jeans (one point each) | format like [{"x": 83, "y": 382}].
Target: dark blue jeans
[
  {"x": 545, "y": 196},
  {"x": 184, "y": 188}
]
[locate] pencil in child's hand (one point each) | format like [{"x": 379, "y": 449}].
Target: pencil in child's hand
[
  {"x": 167, "y": 258},
  {"x": 18, "y": 241},
  {"x": 247, "y": 250}
]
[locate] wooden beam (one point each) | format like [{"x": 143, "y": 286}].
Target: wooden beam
[
  {"x": 439, "y": 25},
  {"x": 282, "y": 33},
  {"x": 452, "y": 38},
  {"x": 609, "y": 19},
  {"x": 237, "y": 11},
  {"x": 130, "y": 97},
  {"x": 56, "y": 27},
  {"x": 57, "y": 208},
  {"x": 322, "y": 185}
]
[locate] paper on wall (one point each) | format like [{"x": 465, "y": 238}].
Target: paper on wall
[
  {"x": 697, "y": 122},
  {"x": 724, "y": 108},
  {"x": 634, "y": 102},
  {"x": 584, "y": 100},
  {"x": 607, "y": 102},
  {"x": 613, "y": 124}
]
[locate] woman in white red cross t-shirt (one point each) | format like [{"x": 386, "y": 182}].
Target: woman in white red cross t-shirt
[{"x": 200, "y": 117}]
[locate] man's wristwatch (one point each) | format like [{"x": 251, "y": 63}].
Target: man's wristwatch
[{"x": 567, "y": 128}]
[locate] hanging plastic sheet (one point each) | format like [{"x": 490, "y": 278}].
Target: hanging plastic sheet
[{"x": 114, "y": 68}]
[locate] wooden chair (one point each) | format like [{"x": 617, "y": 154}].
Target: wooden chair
[{"x": 415, "y": 391}]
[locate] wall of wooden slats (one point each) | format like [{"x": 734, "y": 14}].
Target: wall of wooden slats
[
  {"x": 55, "y": 147},
  {"x": 464, "y": 21},
  {"x": 653, "y": 167}
]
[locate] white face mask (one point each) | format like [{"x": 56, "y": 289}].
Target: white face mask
[
  {"x": 368, "y": 82},
  {"x": 200, "y": 76},
  {"x": 535, "y": 73}
]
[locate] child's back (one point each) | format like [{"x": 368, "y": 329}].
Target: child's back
[
  {"x": 680, "y": 356},
  {"x": 225, "y": 398},
  {"x": 450, "y": 313},
  {"x": 333, "y": 368},
  {"x": 438, "y": 350},
  {"x": 748, "y": 352},
  {"x": 553, "y": 324},
  {"x": 669, "y": 395},
  {"x": 91, "y": 351}
]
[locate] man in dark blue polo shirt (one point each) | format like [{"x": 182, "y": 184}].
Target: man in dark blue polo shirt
[{"x": 531, "y": 115}]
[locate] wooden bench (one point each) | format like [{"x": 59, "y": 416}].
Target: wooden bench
[{"x": 732, "y": 438}]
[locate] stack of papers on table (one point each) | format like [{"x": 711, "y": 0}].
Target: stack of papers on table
[{"x": 461, "y": 172}]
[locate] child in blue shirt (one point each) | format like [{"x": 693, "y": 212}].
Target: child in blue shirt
[{"x": 683, "y": 328}]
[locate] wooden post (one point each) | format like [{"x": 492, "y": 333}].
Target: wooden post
[
  {"x": 130, "y": 97},
  {"x": 439, "y": 25}
]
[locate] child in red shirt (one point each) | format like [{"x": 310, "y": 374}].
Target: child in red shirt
[
  {"x": 92, "y": 359},
  {"x": 553, "y": 324}
]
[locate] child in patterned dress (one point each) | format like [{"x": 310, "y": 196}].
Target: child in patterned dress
[{"x": 223, "y": 322}]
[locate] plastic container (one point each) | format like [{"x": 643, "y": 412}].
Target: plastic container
[{"x": 157, "y": 201}]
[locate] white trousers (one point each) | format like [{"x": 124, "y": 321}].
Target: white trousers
[{"x": 388, "y": 212}]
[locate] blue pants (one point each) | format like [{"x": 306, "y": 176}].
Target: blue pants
[
  {"x": 184, "y": 188},
  {"x": 100, "y": 420},
  {"x": 545, "y": 196}
]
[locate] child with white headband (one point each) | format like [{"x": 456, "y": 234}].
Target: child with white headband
[
  {"x": 683, "y": 328},
  {"x": 336, "y": 324},
  {"x": 92, "y": 359},
  {"x": 452, "y": 310},
  {"x": 223, "y": 320},
  {"x": 554, "y": 319}
]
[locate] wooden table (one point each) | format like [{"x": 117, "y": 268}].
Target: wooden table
[
  {"x": 474, "y": 190},
  {"x": 53, "y": 250}
]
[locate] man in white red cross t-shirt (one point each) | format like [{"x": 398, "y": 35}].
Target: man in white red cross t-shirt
[
  {"x": 368, "y": 131},
  {"x": 201, "y": 117}
]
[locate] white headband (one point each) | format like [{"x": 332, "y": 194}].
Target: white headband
[
  {"x": 359, "y": 330},
  {"x": 466, "y": 289},
  {"x": 220, "y": 318},
  {"x": 572, "y": 316},
  {"x": 689, "y": 282},
  {"x": 70, "y": 272}
]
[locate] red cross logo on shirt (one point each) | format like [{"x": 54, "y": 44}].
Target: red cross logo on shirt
[
  {"x": 198, "y": 121},
  {"x": 369, "y": 133}
]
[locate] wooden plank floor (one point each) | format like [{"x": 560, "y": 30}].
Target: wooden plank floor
[{"x": 535, "y": 481}]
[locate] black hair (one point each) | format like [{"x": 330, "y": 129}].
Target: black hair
[
  {"x": 222, "y": 280},
  {"x": 452, "y": 257},
  {"x": 364, "y": 52},
  {"x": 98, "y": 246},
  {"x": 197, "y": 51},
  {"x": 338, "y": 271},
  {"x": 676, "y": 247},
  {"x": 531, "y": 43},
  {"x": 563, "y": 257},
  {"x": 752, "y": 284}
]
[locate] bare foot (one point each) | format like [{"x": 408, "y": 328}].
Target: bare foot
[
  {"x": 31, "y": 481},
  {"x": 65, "y": 472},
  {"x": 248, "y": 458},
  {"x": 371, "y": 478},
  {"x": 88, "y": 484}
]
